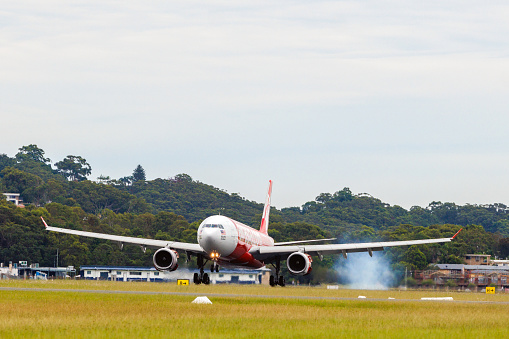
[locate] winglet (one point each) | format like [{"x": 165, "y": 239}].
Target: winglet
[
  {"x": 45, "y": 225},
  {"x": 264, "y": 226},
  {"x": 454, "y": 236}
]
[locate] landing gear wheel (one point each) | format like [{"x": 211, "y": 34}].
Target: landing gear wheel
[
  {"x": 277, "y": 279},
  {"x": 217, "y": 268},
  {"x": 206, "y": 279},
  {"x": 199, "y": 278}
]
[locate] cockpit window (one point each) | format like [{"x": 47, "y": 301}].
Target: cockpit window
[{"x": 214, "y": 226}]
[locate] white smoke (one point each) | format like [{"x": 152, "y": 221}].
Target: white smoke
[
  {"x": 360, "y": 271},
  {"x": 180, "y": 273}
]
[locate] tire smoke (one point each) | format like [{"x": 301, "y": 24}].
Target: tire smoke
[{"x": 360, "y": 271}]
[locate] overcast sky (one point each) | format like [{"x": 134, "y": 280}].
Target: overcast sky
[{"x": 407, "y": 101}]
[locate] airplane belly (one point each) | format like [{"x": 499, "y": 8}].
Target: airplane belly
[
  {"x": 247, "y": 261},
  {"x": 242, "y": 258}
]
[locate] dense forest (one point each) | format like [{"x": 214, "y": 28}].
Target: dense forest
[{"x": 172, "y": 209}]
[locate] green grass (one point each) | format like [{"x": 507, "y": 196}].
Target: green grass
[{"x": 75, "y": 314}]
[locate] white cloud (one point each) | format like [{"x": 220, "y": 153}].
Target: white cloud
[{"x": 313, "y": 94}]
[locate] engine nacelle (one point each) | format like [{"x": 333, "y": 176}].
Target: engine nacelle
[
  {"x": 165, "y": 259},
  {"x": 299, "y": 263}
]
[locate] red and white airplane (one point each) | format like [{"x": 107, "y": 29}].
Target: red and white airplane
[{"x": 226, "y": 242}]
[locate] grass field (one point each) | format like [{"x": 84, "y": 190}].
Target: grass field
[{"x": 40, "y": 313}]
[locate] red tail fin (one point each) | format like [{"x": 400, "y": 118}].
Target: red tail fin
[{"x": 264, "y": 226}]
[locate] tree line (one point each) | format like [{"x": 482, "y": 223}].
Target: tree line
[{"x": 173, "y": 208}]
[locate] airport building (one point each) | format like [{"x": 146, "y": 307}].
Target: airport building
[
  {"x": 8, "y": 272},
  {"x": 22, "y": 270},
  {"x": 127, "y": 273},
  {"x": 36, "y": 272},
  {"x": 121, "y": 273}
]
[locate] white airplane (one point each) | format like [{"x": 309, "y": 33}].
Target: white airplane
[{"x": 226, "y": 242}]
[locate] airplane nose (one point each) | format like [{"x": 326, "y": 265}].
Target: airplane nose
[{"x": 210, "y": 238}]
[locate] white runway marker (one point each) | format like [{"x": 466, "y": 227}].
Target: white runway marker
[{"x": 202, "y": 300}]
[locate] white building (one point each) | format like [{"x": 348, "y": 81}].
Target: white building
[
  {"x": 8, "y": 272},
  {"x": 122, "y": 273},
  {"x": 14, "y": 197},
  {"x": 126, "y": 273},
  {"x": 500, "y": 262}
]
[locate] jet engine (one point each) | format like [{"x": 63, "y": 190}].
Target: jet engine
[
  {"x": 299, "y": 263},
  {"x": 165, "y": 259}
]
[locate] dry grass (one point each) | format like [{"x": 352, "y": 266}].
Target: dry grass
[{"x": 74, "y": 314}]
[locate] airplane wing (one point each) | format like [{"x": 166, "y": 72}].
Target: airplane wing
[
  {"x": 268, "y": 253},
  {"x": 301, "y": 241},
  {"x": 143, "y": 242}
]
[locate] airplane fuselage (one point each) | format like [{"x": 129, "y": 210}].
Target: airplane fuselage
[{"x": 228, "y": 241}]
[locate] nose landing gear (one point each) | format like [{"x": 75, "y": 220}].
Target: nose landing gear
[{"x": 214, "y": 267}]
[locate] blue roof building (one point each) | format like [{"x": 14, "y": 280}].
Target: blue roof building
[{"x": 130, "y": 273}]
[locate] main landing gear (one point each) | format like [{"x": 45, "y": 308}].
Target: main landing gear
[
  {"x": 203, "y": 277},
  {"x": 277, "y": 279}
]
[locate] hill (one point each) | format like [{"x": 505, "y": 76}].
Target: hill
[{"x": 173, "y": 208}]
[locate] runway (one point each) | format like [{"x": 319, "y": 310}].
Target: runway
[{"x": 227, "y": 295}]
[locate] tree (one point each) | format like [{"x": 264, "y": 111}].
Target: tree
[
  {"x": 31, "y": 152},
  {"x": 139, "y": 174},
  {"x": 451, "y": 283},
  {"x": 74, "y": 168},
  {"x": 453, "y": 259},
  {"x": 31, "y": 159},
  {"x": 504, "y": 247},
  {"x": 94, "y": 198},
  {"x": 18, "y": 181},
  {"x": 42, "y": 194},
  {"x": 323, "y": 198},
  {"x": 343, "y": 195},
  {"x": 183, "y": 178},
  {"x": 126, "y": 181},
  {"x": 415, "y": 257},
  {"x": 5, "y": 161}
]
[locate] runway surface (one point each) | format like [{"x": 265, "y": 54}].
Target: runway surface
[{"x": 226, "y": 295}]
